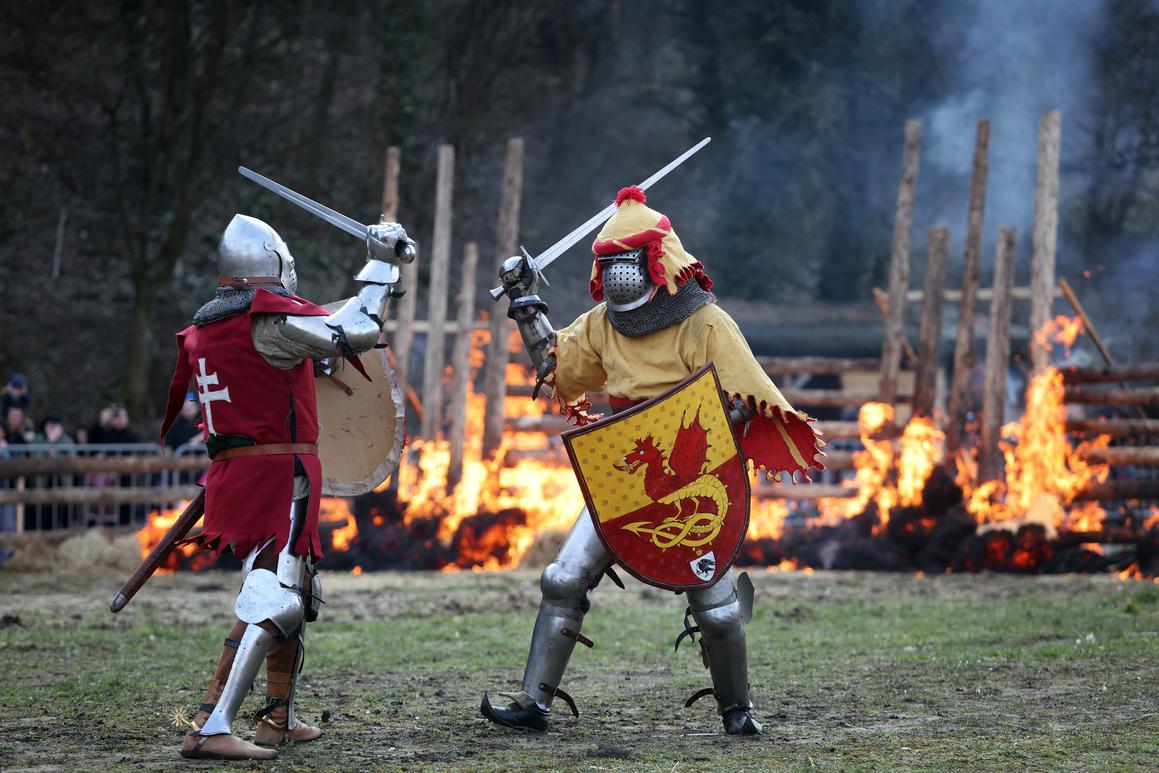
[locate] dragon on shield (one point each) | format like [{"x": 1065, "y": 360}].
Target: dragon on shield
[{"x": 678, "y": 478}]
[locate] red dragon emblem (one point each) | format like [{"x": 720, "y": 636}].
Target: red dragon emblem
[{"x": 679, "y": 479}]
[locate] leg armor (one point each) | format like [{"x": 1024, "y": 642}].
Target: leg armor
[
  {"x": 565, "y": 583},
  {"x": 721, "y": 615},
  {"x": 272, "y": 607}
]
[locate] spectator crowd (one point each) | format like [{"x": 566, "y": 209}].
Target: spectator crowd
[{"x": 21, "y": 436}]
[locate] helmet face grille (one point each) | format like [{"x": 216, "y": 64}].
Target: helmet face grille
[{"x": 625, "y": 279}]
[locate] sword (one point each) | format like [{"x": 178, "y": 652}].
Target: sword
[
  {"x": 177, "y": 531},
  {"x": 405, "y": 252},
  {"x": 545, "y": 258}
]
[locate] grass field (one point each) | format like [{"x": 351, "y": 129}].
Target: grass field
[{"x": 850, "y": 672}]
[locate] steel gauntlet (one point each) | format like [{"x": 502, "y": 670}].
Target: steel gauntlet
[{"x": 521, "y": 282}]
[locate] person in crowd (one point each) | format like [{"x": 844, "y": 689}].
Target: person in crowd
[
  {"x": 15, "y": 393},
  {"x": 17, "y": 426},
  {"x": 185, "y": 427},
  {"x": 52, "y": 431},
  {"x": 114, "y": 426}
]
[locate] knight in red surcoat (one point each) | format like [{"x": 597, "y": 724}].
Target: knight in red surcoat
[
  {"x": 251, "y": 354},
  {"x": 656, "y": 322}
]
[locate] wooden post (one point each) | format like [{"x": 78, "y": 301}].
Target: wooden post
[
  {"x": 964, "y": 340},
  {"x": 930, "y": 335},
  {"x": 1045, "y": 234},
  {"x": 437, "y": 300},
  {"x": 390, "y": 185},
  {"x": 997, "y": 359},
  {"x": 506, "y": 236},
  {"x": 461, "y": 366},
  {"x": 899, "y": 261}
]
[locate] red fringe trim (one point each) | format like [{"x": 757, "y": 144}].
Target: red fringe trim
[
  {"x": 765, "y": 448},
  {"x": 631, "y": 192}
]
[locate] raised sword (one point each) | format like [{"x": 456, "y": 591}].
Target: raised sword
[
  {"x": 404, "y": 251},
  {"x": 545, "y": 258}
]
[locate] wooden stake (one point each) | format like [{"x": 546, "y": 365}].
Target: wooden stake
[
  {"x": 461, "y": 366},
  {"x": 390, "y": 185},
  {"x": 899, "y": 262},
  {"x": 437, "y": 300},
  {"x": 506, "y": 236},
  {"x": 1045, "y": 234},
  {"x": 882, "y": 301},
  {"x": 930, "y": 335},
  {"x": 997, "y": 359},
  {"x": 963, "y": 365}
]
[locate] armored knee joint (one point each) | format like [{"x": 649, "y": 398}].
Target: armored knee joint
[{"x": 263, "y": 598}]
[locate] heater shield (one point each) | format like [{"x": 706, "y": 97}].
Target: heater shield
[
  {"x": 360, "y": 424},
  {"x": 666, "y": 485}
]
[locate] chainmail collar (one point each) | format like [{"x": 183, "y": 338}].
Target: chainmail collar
[
  {"x": 230, "y": 302},
  {"x": 662, "y": 311}
]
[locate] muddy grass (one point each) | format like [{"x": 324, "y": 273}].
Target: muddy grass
[{"x": 850, "y": 672}]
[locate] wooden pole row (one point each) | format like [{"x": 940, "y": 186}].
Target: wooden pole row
[
  {"x": 1142, "y": 371},
  {"x": 899, "y": 262},
  {"x": 506, "y": 238},
  {"x": 972, "y": 260},
  {"x": 86, "y": 465},
  {"x": 1139, "y": 396},
  {"x": 461, "y": 367},
  {"x": 997, "y": 360},
  {"x": 112, "y": 495}
]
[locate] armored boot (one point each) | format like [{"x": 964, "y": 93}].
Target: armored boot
[
  {"x": 721, "y": 615},
  {"x": 271, "y": 605},
  {"x": 565, "y": 583},
  {"x": 214, "y": 739},
  {"x": 277, "y": 722},
  {"x": 220, "y": 675}
]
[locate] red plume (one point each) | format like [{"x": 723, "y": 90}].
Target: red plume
[{"x": 631, "y": 192}]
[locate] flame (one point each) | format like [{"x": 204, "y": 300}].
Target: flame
[
  {"x": 154, "y": 528},
  {"x": 334, "y": 509},
  {"x": 1044, "y": 472}
]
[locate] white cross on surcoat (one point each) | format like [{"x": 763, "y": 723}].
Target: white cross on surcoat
[{"x": 206, "y": 397}]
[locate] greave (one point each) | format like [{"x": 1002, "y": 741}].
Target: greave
[
  {"x": 283, "y": 665},
  {"x": 565, "y": 584},
  {"x": 255, "y": 643},
  {"x": 719, "y": 615}
]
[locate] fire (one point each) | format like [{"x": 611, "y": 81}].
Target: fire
[
  {"x": 154, "y": 528},
  {"x": 333, "y": 509},
  {"x": 1044, "y": 473}
]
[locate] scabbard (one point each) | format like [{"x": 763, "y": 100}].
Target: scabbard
[{"x": 156, "y": 557}]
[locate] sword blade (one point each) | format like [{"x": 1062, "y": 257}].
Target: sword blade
[
  {"x": 337, "y": 219},
  {"x": 548, "y": 256},
  {"x": 545, "y": 258}
]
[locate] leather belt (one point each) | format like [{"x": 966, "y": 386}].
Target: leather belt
[
  {"x": 267, "y": 449},
  {"x": 244, "y": 282}
]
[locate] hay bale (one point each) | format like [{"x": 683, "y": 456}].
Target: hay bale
[
  {"x": 31, "y": 554},
  {"x": 96, "y": 549},
  {"x": 543, "y": 549}
]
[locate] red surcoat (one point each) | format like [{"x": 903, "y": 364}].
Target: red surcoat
[{"x": 247, "y": 499}]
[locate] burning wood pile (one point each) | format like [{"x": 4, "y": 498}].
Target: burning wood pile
[
  {"x": 909, "y": 506},
  {"x": 1026, "y": 496}
]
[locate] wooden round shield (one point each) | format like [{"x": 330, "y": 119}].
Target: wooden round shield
[{"x": 361, "y": 425}]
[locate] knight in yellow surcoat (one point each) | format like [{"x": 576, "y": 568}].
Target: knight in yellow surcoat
[{"x": 656, "y": 322}]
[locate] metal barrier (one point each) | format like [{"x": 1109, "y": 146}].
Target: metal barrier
[{"x": 83, "y": 495}]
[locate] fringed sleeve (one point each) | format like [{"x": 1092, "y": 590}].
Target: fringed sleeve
[{"x": 778, "y": 438}]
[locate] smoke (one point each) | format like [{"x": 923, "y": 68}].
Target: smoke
[{"x": 1012, "y": 62}]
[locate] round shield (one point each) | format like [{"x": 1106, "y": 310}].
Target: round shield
[{"x": 361, "y": 425}]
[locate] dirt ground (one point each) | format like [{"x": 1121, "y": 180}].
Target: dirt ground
[{"x": 850, "y": 671}]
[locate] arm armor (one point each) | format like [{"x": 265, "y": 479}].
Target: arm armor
[
  {"x": 529, "y": 313},
  {"x": 355, "y": 327}
]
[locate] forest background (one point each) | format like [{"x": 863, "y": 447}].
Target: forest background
[{"x": 125, "y": 122}]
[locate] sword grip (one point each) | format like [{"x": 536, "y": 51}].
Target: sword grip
[{"x": 179, "y": 529}]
